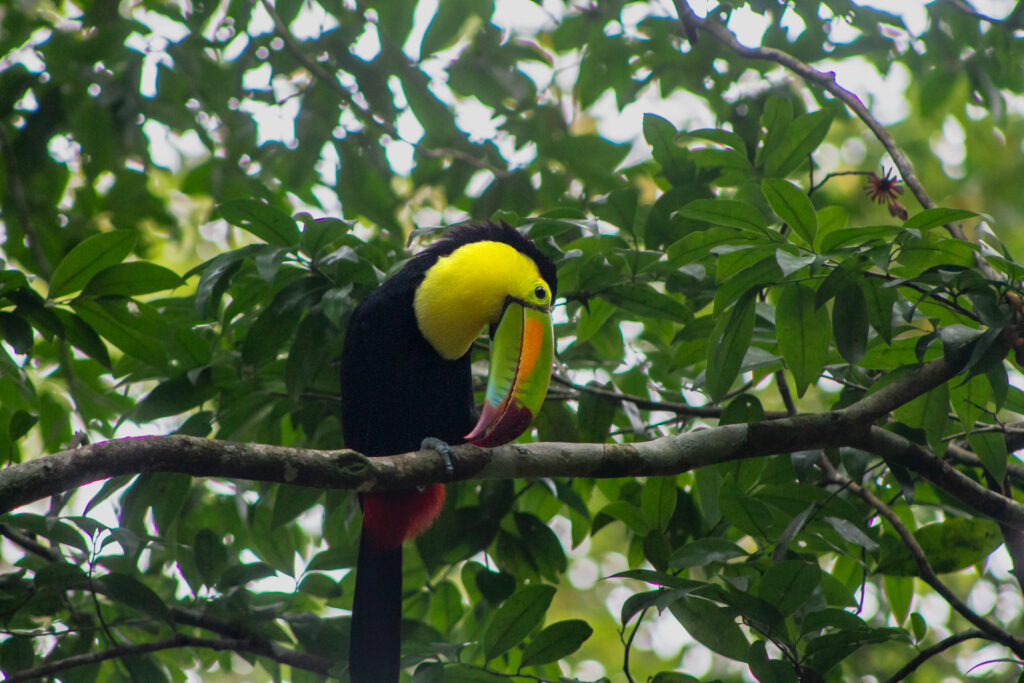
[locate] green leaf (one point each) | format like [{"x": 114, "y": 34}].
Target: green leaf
[
  {"x": 825, "y": 652},
  {"x": 990, "y": 447},
  {"x": 132, "y": 278},
  {"x": 803, "y": 137},
  {"x": 642, "y": 299},
  {"x": 128, "y": 325},
  {"x": 880, "y": 301},
  {"x": 850, "y": 323},
  {"x": 704, "y": 551},
  {"x": 16, "y": 653},
  {"x": 16, "y": 331},
  {"x": 128, "y": 590},
  {"x": 270, "y": 224},
  {"x": 661, "y": 135},
  {"x": 792, "y": 205},
  {"x": 728, "y": 345},
  {"x": 516, "y": 617},
  {"x": 728, "y": 212},
  {"x": 918, "y": 626},
  {"x": 743, "y": 511},
  {"x": 929, "y": 412},
  {"x": 88, "y": 258},
  {"x": 556, "y": 641},
  {"x": 269, "y": 332},
  {"x": 789, "y": 584},
  {"x": 775, "y": 121},
  {"x": 713, "y": 626},
  {"x": 950, "y": 546},
  {"x": 842, "y": 237},
  {"x": 211, "y": 555},
  {"x": 802, "y": 330},
  {"x": 291, "y": 501},
  {"x": 592, "y": 318},
  {"x": 175, "y": 396},
  {"x": 830, "y": 219},
  {"x": 78, "y": 333},
  {"x": 899, "y": 590},
  {"x": 930, "y": 218},
  {"x": 595, "y": 415},
  {"x": 658, "y": 501}
]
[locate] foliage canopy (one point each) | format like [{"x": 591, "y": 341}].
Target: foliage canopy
[{"x": 195, "y": 195}]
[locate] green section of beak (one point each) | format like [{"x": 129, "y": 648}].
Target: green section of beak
[{"x": 522, "y": 352}]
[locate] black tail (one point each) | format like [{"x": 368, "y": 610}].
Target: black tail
[{"x": 375, "y": 646}]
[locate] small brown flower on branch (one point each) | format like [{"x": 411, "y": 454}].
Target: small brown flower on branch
[{"x": 884, "y": 190}]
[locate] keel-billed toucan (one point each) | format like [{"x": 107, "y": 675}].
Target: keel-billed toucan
[{"x": 406, "y": 378}]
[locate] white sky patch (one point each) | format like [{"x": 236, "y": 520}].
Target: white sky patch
[
  {"x": 367, "y": 45},
  {"x": 950, "y": 147},
  {"x": 748, "y": 26},
  {"x": 259, "y": 21},
  {"x": 697, "y": 660},
  {"x": 882, "y": 94},
  {"x": 313, "y": 21},
  {"x": 258, "y": 78},
  {"x": 274, "y": 122},
  {"x": 526, "y": 18}
]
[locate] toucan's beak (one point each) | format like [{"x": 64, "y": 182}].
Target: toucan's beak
[{"x": 522, "y": 351}]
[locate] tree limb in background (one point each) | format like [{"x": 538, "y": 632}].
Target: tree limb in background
[
  {"x": 935, "y": 649},
  {"x": 297, "y": 660},
  {"x": 924, "y": 567}
]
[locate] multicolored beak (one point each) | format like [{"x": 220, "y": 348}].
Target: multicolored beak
[{"x": 522, "y": 351}]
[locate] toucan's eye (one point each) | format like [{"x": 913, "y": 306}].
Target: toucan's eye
[{"x": 540, "y": 292}]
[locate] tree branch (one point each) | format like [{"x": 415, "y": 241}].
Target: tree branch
[
  {"x": 825, "y": 79},
  {"x": 916, "y": 458},
  {"x": 924, "y": 568},
  {"x": 297, "y": 660},
  {"x": 937, "y": 648}
]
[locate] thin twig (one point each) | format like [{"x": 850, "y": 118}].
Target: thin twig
[
  {"x": 937, "y": 648},
  {"x": 830, "y": 176},
  {"x": 784, "y": 392},
  {"x": 650, "y": 404},
  {"x": 629, "y": 644}
]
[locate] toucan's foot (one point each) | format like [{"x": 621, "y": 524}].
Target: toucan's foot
[{"x": 446, "y": 453}]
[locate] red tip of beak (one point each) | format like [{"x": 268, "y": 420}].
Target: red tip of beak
[{"x": 510, "y": 423}]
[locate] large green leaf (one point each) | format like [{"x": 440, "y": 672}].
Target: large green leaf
[
  {"x": 556, "y": 641},
  {"x": 802, "y": 330},
  {"x": 132, "y": 278},
  {"x": 793, "y": 206},
  {"x": 516, "y": 617},
  {"x": 270, "y": 224},
  {"x": 728, "y": 345},
  {"x": 802, "y": 137},
  {"x": 712, "y": 625},
  {"x": 850, "y": 323},
  {"x": 950, "y": 546},
  {"x": 89, "y": 258},
  {"x": 727, "y": 212}
]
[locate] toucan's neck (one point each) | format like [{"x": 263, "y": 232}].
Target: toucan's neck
[{"x": 465, "y": 291}]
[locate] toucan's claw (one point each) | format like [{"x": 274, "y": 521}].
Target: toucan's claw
[{"x": 445, "y": 451}]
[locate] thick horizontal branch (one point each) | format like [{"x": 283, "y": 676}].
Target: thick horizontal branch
[{"x": 345, "y": 469}]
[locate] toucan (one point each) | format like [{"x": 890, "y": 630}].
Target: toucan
[{"x": 406, "y": 382}]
